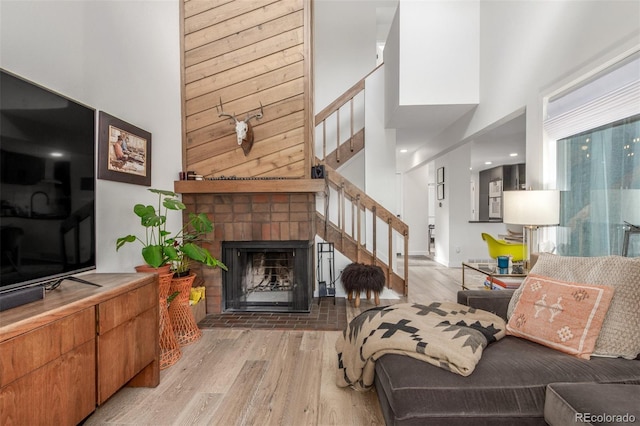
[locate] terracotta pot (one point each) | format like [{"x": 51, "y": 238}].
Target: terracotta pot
[{"x": 162, "y": 270}]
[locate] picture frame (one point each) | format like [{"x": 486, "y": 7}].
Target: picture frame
[
  {"x": 124, "y": 151},
  {"x": 440, "y": 175},
  {"x": 441, "y": 191}
]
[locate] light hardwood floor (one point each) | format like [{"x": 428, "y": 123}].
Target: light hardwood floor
[{"x": 266, "y": 377}]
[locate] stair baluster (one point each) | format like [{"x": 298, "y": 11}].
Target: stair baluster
[{"x": 354, "y": 244}]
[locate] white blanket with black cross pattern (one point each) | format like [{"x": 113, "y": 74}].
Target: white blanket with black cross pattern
[{"x": 446, "y": 334}]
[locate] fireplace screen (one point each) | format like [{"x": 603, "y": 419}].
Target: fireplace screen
[{"x": 267, "y": 276}]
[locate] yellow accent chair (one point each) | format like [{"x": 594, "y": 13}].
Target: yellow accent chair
[{"x": 517, "y": 251}]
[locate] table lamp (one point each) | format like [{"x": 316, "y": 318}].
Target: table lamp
[{"x": 531, "y": 209}]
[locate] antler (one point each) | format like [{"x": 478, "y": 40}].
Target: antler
[
  {"x": 221, "y": 112},
  {"x": 257, "y": 116}
]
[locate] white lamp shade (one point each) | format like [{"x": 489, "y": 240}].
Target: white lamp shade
[{"x": 537, "y": 208}]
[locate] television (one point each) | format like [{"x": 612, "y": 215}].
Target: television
[{"x": 47, "y": 188}]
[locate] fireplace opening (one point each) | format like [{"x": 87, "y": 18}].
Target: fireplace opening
[{"x": 273, "y": 276}]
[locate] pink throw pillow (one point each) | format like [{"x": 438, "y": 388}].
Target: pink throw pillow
[{"x": 561, "y": 315}]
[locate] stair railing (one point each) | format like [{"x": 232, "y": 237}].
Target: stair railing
[
  {"x": 358, "y": 237},
  {"x": 358, "y": 222},
  {"x": 355, "y": 140}
]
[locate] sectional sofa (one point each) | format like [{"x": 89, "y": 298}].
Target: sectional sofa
[{"x": 521, "y": 381}]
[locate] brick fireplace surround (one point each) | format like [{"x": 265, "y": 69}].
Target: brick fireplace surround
[{"x": 249, "y": 217}]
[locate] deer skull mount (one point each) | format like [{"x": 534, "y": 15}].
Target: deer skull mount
[{"x": 244, "y": 130}]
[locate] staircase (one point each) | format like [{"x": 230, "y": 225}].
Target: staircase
[
  {"x": 358, "y": 226},
  {"x": 354, "y": 143}
]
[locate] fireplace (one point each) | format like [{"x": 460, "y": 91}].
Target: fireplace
[
  {"x": 273, "y": 276},
  {"x": 249, "y": 216}
]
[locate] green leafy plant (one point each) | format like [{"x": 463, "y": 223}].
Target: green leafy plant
[
  {"x": 159, "y": 247},
  {"x": 187, "y": 243}
]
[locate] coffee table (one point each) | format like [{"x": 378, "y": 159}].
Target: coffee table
[{"x": 491, "y": 270}]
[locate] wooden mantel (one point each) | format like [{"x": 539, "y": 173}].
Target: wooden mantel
[{"x": 249, "y": 186}]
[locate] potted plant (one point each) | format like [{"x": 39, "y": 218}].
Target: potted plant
[
  {"x": 156, "y": 252},
  {"x": 186, "y": 243},
  {"x": 161, "y": 248}
]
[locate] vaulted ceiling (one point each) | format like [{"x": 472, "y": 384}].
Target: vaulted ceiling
[{"x": 417, "y": 125}]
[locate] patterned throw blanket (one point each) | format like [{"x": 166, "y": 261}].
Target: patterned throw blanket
[{"x": 445, "y": 334}]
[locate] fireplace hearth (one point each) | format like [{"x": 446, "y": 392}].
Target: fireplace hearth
[{"x": 267, "y": 276}]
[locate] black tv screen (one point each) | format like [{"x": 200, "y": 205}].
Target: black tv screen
[{"x": 47, "y": 189}]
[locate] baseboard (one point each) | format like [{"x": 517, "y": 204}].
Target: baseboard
[{"x": 21, "y": 296}]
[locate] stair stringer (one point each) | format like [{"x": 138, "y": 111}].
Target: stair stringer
[{"x": 348, "y": 247}]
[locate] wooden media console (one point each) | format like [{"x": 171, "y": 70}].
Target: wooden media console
[{"x": 62, "y": 356}]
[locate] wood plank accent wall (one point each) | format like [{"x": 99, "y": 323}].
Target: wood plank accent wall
[{"x": 247, "y": 53}]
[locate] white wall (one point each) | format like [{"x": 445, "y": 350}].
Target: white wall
[
  {"x": 380, "y": 168},
  {"x": 343, "y": 54},
  {"x": 457, "y": 179},
  {"x": 342, "y": 57},
  {"x": 457, "y": 238},
  {"x": 439, "y": 52},
  {"x": 416, "y": 209},
  {"x": 392, "y": 71},
  {"x": 528, "y": 49},
  {"x": 354, "y": 170},
  {"x": 122, "y": 57},
  {"x": 557, "y": 46}
]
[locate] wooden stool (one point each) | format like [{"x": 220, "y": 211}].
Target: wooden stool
[
  {"x": 182, "y": 320},
  {"x": 356, "y": 295},
  {"x": 358, "y": 277},
  {"x": 170, "y": 351}
]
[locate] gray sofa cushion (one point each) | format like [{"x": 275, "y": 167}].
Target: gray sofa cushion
[
  {"x": 495, "y": 302},
  {"x": 588, "y": 403},
  {"x": 507, "y": 387}
]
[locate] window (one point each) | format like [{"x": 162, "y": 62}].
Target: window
[
  {"x": 599, "y": 174},
  {"x": 596, "y": 126}
]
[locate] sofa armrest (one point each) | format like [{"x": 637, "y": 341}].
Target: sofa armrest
[{"x": 495, "y": 301}]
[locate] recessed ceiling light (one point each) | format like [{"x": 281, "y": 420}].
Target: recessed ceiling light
[
  {"x": 488, "y": 162},
  {"x": 56, "y": 154},
  {"x": 403, "y": 150},
  {"x": 513, "y": 154}
]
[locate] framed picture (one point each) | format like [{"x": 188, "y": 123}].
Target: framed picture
[
  {"x": 124, "y": 151},
  {"x": 441, "y": 175},
  {"x": 441, "y": 191}
]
